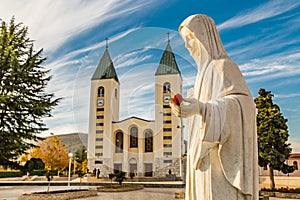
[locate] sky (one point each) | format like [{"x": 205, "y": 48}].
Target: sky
[{"x": 261, "y": 36}]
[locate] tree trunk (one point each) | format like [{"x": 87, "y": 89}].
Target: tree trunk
[
  {"x": 48, "y": 189},
  {"x": 271, "y": 174}
]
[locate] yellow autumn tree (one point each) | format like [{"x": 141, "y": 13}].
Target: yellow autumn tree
[
  {"x": 84, "y": 166},
  {"x": 24, "y": 158},
  {"x": 81, "y": 166},
  {"x": 53, "y": 152}
]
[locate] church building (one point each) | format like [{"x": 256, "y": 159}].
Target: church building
[{"x": 147, "y": 148}]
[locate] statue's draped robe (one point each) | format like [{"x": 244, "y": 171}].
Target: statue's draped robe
[{"x": 222, "y": 153}]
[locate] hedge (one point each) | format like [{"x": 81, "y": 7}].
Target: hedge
[
  {"x": 6, "y": 174},
  {"x": 42, "y": 173}
]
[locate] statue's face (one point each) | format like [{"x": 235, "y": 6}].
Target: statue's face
[
  {"x": 191, "y": 42},
  {"x": 188, "y": 38}
]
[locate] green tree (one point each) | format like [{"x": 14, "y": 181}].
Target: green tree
[
  {"x": 81, "y": 155},
  {"x": 272, "y": 132},
  {"x": 24, "y": 102},
  {"x": 80, "y": 158},
  {"x": 34, "y": 163}
]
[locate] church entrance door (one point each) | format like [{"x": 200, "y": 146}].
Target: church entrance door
[
  {"x": 148, "y": 169},
  {"x": 133, "y": 169},
  {"x": 117, "y": 168}
]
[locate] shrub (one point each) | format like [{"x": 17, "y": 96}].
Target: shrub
[
  {"x": 42, "y": 173},
  {"x": 7, "y": 174},
  {"x": 120, "y": 177},
  {"x": 282, "y": 189},
  {"x": 111, "y": 176}
]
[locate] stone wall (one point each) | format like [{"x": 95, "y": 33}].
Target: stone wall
[
  {"x": 174, "y": 167},
  {"x": 105, "y": 170}
]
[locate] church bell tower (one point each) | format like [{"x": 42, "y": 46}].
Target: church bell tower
[
  {"x": 168, "y": 82},
  {"x": 104, "y": 109}
]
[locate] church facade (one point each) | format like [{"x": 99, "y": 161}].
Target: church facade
[{"x": 147, "y": 148}]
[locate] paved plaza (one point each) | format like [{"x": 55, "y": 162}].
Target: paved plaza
[
  {"x": 12, "y": 193},
  {"x": 145, "y": 194}
]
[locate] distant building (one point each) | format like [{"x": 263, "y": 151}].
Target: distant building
[
  {"x": 294, "y": 160},
  {"x": 134, "y": 145}
]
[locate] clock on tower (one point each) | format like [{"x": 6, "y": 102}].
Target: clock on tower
[
  {"x": 166, "y": 98},
  {"x": 100, "y": 102}
]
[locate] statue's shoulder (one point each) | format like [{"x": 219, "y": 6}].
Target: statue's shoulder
[{"x": 224, "y": 65}]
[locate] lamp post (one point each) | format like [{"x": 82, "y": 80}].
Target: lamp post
[
  {"x": 181, "y": 127},
  {"x": 70, "y": 161}
]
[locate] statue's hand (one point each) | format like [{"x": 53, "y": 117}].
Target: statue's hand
[
  {"x": 194, "y": 107},
  {"x": 175, "y": 108}
]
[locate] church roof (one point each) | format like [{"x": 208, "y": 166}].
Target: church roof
[
  {"x": 133, "y": 117},
  {"x": 105, "y": 68},
  {"x": 295, "y": 155},
  {"x": 167, "y": 63}
]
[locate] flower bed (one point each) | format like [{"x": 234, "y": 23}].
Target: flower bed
[
  {"x": 287, "y": 195},
  {"x": 59, "y": 195},
  {"x": 120, "y": 188},
  {"x": 291, "y": 193}
]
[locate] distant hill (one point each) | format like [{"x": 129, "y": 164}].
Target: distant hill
[{"x": 74, "y": 141}]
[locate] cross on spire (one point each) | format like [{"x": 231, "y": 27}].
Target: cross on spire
[
  {"x": 168, "y": 33},
  {"x": 106, "y": 42}
]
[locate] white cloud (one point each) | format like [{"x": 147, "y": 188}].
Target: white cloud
[
  {"x": 270, "y": 9},
  {"x": 284, "y": 96},
  {"x": 124, "y": 61},
  {"x": 53, "y": 22},
  {"x": 271, "y": 67}
]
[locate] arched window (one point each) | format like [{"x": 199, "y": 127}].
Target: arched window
[
  {"x": 167, "y": 87},
  {"x": 133, "y": 137},
  {"x": 116, "y": 93},
  {"x": 148, "y": 141},
  {"x": 100, "y": 91},
  {"x": 295, "y": 164},
  {"x": 119, "y": 142}
]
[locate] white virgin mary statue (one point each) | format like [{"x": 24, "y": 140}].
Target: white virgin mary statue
[{"x": 222, "y": 155}]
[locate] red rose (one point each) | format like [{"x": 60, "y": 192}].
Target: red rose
[{"x": 177, "y": 99}]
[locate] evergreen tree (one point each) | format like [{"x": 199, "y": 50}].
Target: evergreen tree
[
  {"x": 23, "y": 100},
  {"x": 80, "y": 158},
  {"x": 81, "y": 155},
  {"x": 272, "y": 132}
]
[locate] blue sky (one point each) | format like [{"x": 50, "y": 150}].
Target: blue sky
[{"x": 262, "y": 37}]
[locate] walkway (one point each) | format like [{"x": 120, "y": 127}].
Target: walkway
[{"x": 145, "y": 194}]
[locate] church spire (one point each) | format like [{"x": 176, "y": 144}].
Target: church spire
[
  {"x": 168, "y": 37},
  {"x": 106, "y": 45},
  {"x": 105, "y": 68},
  {"x": 168, "y": 64}
]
